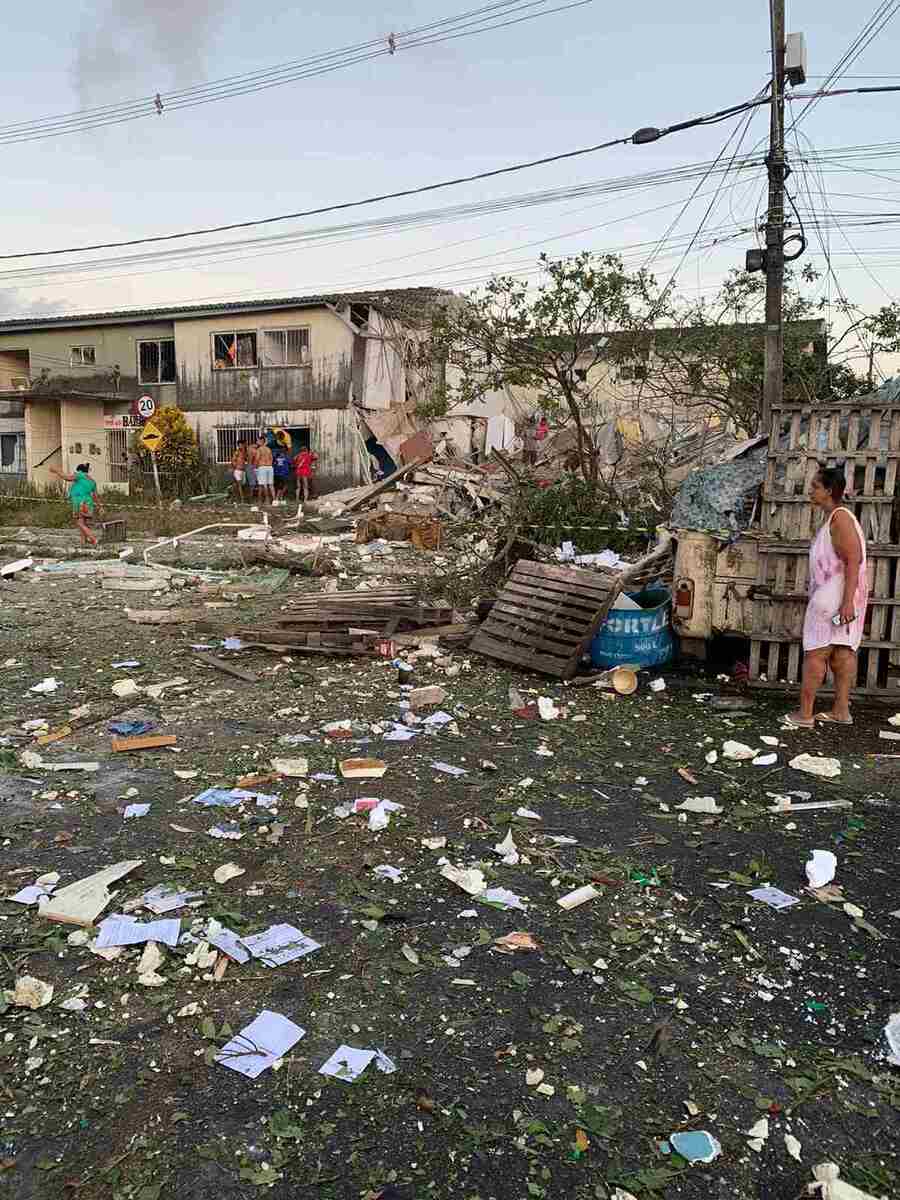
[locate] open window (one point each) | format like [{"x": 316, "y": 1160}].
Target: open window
[
  {"x": 156, "y": 361},
  {"x": 285, "y": 347},
  {"x": 231, "y": 351}
]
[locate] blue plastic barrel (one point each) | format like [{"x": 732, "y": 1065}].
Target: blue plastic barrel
[{"x": 643, "y": 638}]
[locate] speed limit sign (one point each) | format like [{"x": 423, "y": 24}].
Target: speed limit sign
[{"x": 146, "y": 407}]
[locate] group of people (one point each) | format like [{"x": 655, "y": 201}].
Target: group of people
[{"x": 268, "y": 465}]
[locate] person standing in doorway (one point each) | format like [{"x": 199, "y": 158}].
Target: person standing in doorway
[
  {"x": 83, "y": 498},
  {"x": 836, "y": 612},
  {"x": 265, "y": 476},
  {"x": 239, "y": 467},
  {"x": 281, "y": 465},
  {"x": 304, "y": 465}
]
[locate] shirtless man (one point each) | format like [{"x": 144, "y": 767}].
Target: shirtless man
[{"x": 265, "y": 475}]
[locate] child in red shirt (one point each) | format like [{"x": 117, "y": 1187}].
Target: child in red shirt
[{"x": 304, "y": 465}]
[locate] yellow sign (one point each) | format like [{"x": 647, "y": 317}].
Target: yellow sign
[{"x": 152, "y": 437}]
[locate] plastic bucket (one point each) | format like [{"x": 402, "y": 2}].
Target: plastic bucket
[{"x": 639, "y": 638}]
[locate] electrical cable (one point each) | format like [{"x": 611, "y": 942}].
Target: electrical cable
[
  {"x": 464, "y": 24},
  {"x": 708, "y": 119}
]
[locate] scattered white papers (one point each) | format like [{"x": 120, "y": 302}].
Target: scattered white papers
[
  {"x": 508, "y": 850},
  {"x": 46, "y": 685},
  {"x": 34, "y": 893},
  {"x": 657, "y": 685},
  {"x": 765, "y": 760},
  {"x": 227, "y": 941},
  {"x": 529, "y": 814},
  {"x": 348, "y": 1063},
  {"x": 502, "y": 896},
  {"x": 774, "y": 897},
  {"x": 260, "y": 1044},
  {"x": 294, "y": 768},
  {"x": 220, "y": 831},
  {"x": 700, "y": 804},
  {"x": 471, "y": 880},
  {"x": 380, "y": 814},
  {"x": 387, "y": 872},
  {"x": 127, "y": 662},
  {"x": 279, "y": 944},
  {"x": 135, "y": 810},
  {"x": 448, "y": 769},
  {"x": 892, "y": 1033},
  {"x": 438, "y": 718},
  {"x": 821, "y": 868},
  {"x": 400, "y": 733},
  {"x": 227, "y": 871},
  {"x": 737, "y": 751},
  {"x": 547, "y": 709},
  {"x": 162, "y": 899},
  {"x": 232, "y": 643},
  {"x": 824, "y": 768},
  {"x": 324, "y": 777},
  {"x": 119, "y": 931}
]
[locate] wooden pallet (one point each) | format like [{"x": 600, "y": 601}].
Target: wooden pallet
[
  {"x": 779, "y": 598},
  {"x": 862, "y": 439},
  {"x": 544, "y": 618}
]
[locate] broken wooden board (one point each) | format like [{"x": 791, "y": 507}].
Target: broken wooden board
[
  {"x": 151, "y": 741},
  {"x": 53, "y": 735},
  {"x": 82, "y": 902},
  {"x": 544, "y": 618},
  {"x": 210, "y": 660},
  {"x": 165, "y": 616}
]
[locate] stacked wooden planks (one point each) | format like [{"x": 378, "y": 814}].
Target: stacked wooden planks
[
  {"x": 863, "y": 437},
  {"x": 544, "y": 617}
]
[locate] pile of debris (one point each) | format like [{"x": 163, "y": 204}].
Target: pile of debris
[{"x": 376, "y": 621}]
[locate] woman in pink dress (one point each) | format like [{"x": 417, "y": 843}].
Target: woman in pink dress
[{"x": 836, "y": 611}]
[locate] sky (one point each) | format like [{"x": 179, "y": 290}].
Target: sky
[{"x": 562, "y": 81}]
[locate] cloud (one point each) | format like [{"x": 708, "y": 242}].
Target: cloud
[
  {"x": 13, "y": 304},
  {"x": 126, "y": 46}
]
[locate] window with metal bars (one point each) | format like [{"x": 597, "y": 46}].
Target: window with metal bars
[
  {"x": 156, "y": 361},
  {"x": 12, "y": 453},
  {"x": 285, "y": 347},
  {"x": 227, "y": 438},
  {"x": 231, "y": 351},
  {"x": 117, "y": 455}
]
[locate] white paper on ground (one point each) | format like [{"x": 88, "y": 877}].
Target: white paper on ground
[
  {"x": 448, "y": 769},
  {"x": 280, "y": 944},
  {"x": 501, "y": 895},
  {"x": 700, "y": 804},
  {"x": 161, "y": 899},
  {"x": 349, "y": 1062},
  {"x": 227, "y": 941},
  {"x": 135, "y": 810},
  {"x": 774, "y": 897},
  {"x": 261, "y": 1043},
  {"x": 438, "y": 718},
  {"x": 529, "y": 814},
  {"x": 825, "y": 768},
  {"x": 508, "y": 850},
  {"x": 116, "y": 931},
  {"x": 32, "y": 894},
  {"x": 892, "y": 1033},
  {"x": 821, "y": 868},
  {"x": 380, "y": 814},
  {"x": 471, "y": 880}
]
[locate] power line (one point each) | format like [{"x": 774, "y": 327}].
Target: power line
[
  {"x": 466, "y": 24},
  {"x": 638, "y": 138},
  {"x": 879, "y": 19}
]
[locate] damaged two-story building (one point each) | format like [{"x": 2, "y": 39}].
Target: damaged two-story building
[{"x": 313, "y": 366}]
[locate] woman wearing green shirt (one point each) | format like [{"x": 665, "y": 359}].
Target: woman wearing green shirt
[{"x": 83, "y": 498}]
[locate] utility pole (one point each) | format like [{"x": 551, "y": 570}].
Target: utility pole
[{"x": 773, "y": 379}]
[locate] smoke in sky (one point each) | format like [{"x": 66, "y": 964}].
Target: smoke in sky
[
  {"x": 129, "y": 47},
  {"x": 14, "y": 303}
]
